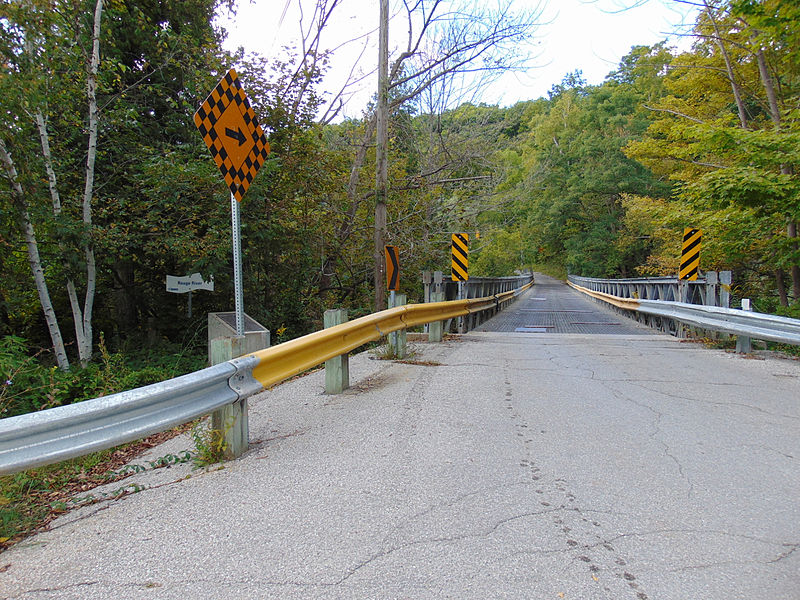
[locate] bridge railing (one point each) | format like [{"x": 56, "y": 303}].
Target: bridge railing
[
  {"x": 671, "y": 316},
  {"x": 474, "y": 287},
  {"x": 64, "y": 432},
  {"x": 712, "y": 289}
]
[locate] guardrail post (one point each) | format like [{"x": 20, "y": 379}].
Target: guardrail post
[
  {"x": 712, "y": 285},
  {"x": 744, "y": 345},
  {"x": 337, "y": 369},
  {"x": 397, "y": 341},
  {"x": 427, "y": 279},
  {"x": 725, "y": 281},
  {"x": 435, "y": 329},
  {"x": 231, "y": 420}
]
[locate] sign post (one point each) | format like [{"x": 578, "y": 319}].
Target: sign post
[
  {"x": 239, "y": 147},
  {"x": 183, "y": 285},
  {"x": 238, "y": 294}
]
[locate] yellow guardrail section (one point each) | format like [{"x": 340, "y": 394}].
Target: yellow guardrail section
[{"x": 280, "y": 362}]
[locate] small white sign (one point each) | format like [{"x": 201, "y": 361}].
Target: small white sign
[{"x": 190, "y": 283}]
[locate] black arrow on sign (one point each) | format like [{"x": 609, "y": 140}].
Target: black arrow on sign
[{"x": 237, "y": 135}]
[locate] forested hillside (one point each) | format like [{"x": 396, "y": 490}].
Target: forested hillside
[{"x": 106, "y": 186}]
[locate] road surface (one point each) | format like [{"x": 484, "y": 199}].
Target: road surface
[{"x": 496, "y": 465}]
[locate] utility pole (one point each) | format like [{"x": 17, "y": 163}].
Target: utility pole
[{"x": 381, "y": 153}]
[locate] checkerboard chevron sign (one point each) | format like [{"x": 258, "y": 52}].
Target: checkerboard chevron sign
[{"x": 231, "y": 131}]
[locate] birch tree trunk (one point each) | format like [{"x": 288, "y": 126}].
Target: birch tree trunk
[
  {"x": 55, "y": 197},
  {"x": 83, "y": 328},
  {"x": 34, "y": 260}
]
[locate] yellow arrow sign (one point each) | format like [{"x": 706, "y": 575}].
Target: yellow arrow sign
[
  {"x": 231, "y": 131},
  {"x": 392, "y": 268}
]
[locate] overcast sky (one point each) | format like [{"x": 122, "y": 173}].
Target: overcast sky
[{"x": 590, "y": 35}]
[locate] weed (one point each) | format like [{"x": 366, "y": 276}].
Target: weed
[
  {"x": 209, "y": 443},
  {"x": 388, "y": 352}
]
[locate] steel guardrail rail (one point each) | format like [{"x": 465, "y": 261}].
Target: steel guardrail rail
[
  {"x": 760, "y": 326},
  {"x": 56, "y": 434}
]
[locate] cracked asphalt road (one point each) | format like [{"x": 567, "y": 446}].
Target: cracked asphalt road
[{"x": 522, "y": 466}]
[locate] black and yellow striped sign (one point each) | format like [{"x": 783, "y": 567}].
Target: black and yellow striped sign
[
  {"x": 460, "y": 257},
  {"x": 690, "y": 254},
  {"x": 231, "y": 131}
]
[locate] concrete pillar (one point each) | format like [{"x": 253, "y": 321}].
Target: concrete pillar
[
  {"x": 337, "y": 369},
  {"x": 231, "y": 420}
]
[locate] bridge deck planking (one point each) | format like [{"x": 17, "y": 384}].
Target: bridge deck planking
[{"x": 551, "y": 306}]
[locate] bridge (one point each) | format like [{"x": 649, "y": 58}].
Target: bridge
[{"x": 559, "y": 450}]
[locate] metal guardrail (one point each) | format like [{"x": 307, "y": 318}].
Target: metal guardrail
[
  {"x": 474, "y": 287},
  {"x": 712, "y": 289},
  {"x": 64, "y": 432},
  {"x": 712, "y": 318}
]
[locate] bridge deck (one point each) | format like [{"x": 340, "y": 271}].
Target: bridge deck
[{"x": 553, "y": 307}]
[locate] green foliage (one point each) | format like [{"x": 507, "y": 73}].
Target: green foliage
[
  {"x": 500, "y": 255},
  {"x": 29, "y": 384}
]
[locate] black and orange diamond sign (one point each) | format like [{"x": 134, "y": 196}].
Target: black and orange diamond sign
[{"x": 231, "y": 131}]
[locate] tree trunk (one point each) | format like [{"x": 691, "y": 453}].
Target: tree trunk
[
  {"x": 781, "y": 285},
  {"x": 786, "y": 169},
  {"x": 791, "y": 232},
  {"x": 83, "y": 329},
  {"x": 737, "y": 94},
  {"x": 34, "y": 260},
  {"x": 124, "y": 299},
  {"x": 381, "y": 156}
]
